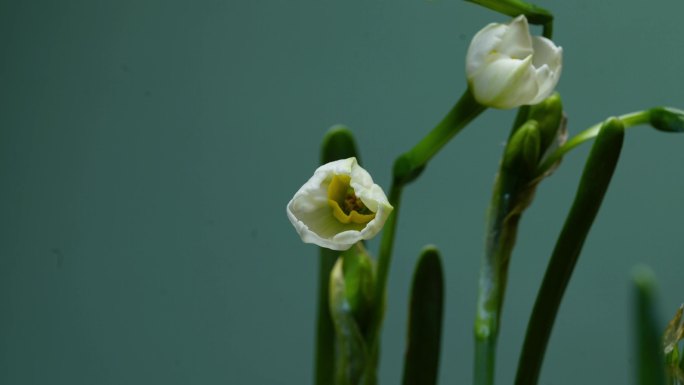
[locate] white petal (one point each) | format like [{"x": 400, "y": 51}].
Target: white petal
[
  {"x": 516, "y": 43},
  {"x": 482, "y": 45},
  {"x": 370, "y": 193},
  {"x": 373, "y": 227},
  {"x": 505, "y": 83},
  {"x": 545, "y": 52},
  {"x": 548, "y": 61},
  {"x": 506, "y": 67},
  {"x": 545, "y": 84},
  {"x": 312, "y": 216}
]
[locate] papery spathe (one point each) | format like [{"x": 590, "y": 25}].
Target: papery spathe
[
  {"x": 506, "y": 67},
  {"x": 339, "y": 206}
]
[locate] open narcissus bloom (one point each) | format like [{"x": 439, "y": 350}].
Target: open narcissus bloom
[
  {"x": 339, "y": 206},
  {"x": 506, "y": 67}
]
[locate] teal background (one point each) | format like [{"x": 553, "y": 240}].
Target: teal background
[{"x": 148, "y": 150}]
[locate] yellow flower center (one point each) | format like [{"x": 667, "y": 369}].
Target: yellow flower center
[{"x": 346, "y": 206}]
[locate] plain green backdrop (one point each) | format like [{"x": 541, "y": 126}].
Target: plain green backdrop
[{"x": 148, "y": 150}]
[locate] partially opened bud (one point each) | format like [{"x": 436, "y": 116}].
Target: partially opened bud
[
  {"x": 506, "y": 67},
  {"x": 339, "y": 206}
]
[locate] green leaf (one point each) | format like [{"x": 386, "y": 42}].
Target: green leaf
[
  {"x": 421, "y": 362},
  {"x": 650, "y": 367},
  {"x": 593, "y": 185},
  {"x": 338, "y": 143}
]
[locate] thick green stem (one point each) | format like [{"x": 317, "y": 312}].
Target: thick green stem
[
  {"x": 409, "y": 165},
  {"x": 501, "y": 227},
  {"x": 593, "y": 185},
  {"x": 325, "y": 331},
  {"x": 384, "y": 258},
  {"x": 501, "y": 230}
]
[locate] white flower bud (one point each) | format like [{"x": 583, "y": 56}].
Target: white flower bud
[
  {"x": 506, "y": 67},
  {"x": 339, "y": 206}
]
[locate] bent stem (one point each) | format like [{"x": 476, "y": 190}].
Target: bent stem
[
  {"x": 407, "y": 167},
  {"x": 629, "y": 120},
  {"x": 513, "y": 8}
]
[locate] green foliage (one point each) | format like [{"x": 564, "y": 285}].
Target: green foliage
[{"x": 421, "y": 361}]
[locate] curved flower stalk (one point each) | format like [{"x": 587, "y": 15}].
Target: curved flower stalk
[
  {"x": 506, "y": 67},
  {"x": 339, "y": 206}
]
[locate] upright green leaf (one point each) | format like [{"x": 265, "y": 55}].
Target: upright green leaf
[
  {"x": 421, "y": 362},
  {"x": 593, "y": 185},
  {"x": 650, "y": 368}
]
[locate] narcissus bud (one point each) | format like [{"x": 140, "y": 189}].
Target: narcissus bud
[
  {"x": 523, "y": 150},
  {"x": 506, "y": 67}
]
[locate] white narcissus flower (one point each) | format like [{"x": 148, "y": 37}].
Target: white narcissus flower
[
  {"x": 508, "y": 68},
  {"x": 339, "y": 206}
]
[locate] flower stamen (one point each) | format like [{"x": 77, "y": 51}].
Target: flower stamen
[{"x": 345, "y": 205}]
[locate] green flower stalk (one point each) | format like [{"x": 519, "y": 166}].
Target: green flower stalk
[
  {"x": 507, "y": 204},
  {"x": 406, "y": 169},
  {"x": 513, "y": 8},
  {"x": 514, "y": 190},
  {"x": 665, "y": 119}
]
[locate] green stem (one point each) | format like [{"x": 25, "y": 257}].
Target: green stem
[
  {"x": 629, "y": 120},
  {"x": 384, "y": 256},
  {"x": 593, "y": 185},
  {"x": 384, "y": 259},
  {"x": 513, "y": 8},
  {"x": 406, "y": 168},
  {"x": 548, "y": 29},
  {"x": 502, "y": 227},
  {"x": 325, "y": 331}
]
